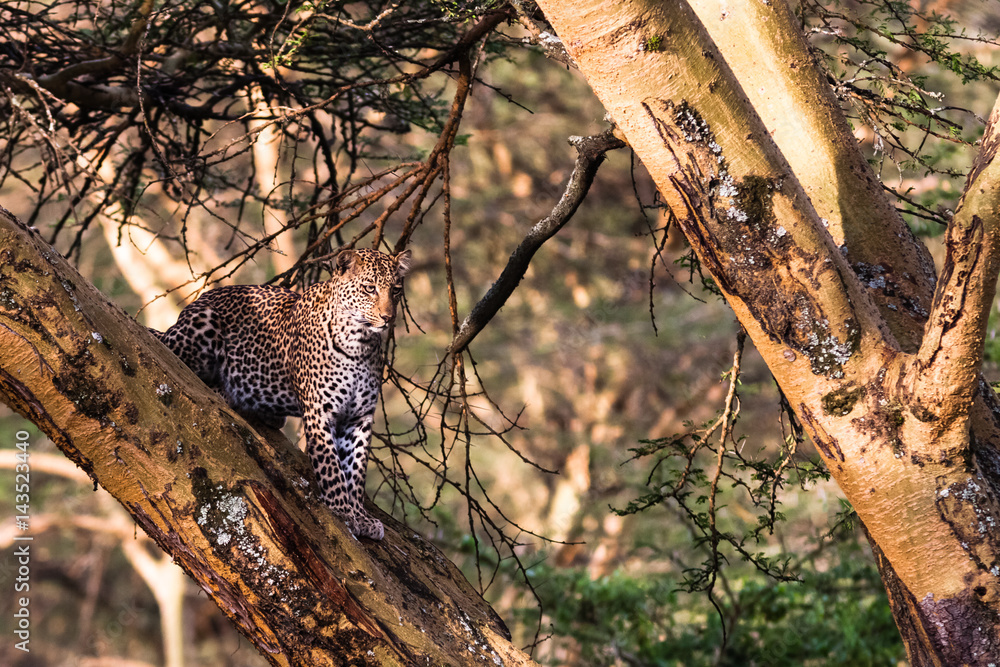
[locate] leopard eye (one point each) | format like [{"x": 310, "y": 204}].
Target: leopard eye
[
  {"x": 369, "y": 288},
  {"x": 397, "y": 289}
]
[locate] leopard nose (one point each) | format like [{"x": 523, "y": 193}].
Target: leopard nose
[{"x": 387, "y": 319}]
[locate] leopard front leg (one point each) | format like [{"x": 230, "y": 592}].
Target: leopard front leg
[
  {"x": 353, "y": 440},
  {"x": 338, "y": 450},
  {"x": 322, "y": 450}
]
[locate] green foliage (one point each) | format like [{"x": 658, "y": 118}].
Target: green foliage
[
  {"x": 690, "y": 263},
  {"x": 904, "y": 77},
  {"x": 687, "y": 472},
  {"x": 837, "y": 615},
  {"x": 613, "y": 616},
  {"x": 653, "y": 43},
  {"x": 751, "y": 602},
  {"x": 991, "y": 347}
]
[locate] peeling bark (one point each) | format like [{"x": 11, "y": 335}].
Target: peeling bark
[
  {"x": 236, "y": 510},
  {"x": 944, "y": 376},
  {"x": 767, "y": 52}
]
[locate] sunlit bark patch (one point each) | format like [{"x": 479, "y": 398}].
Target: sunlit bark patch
[
  {"x": 732, "y": 223},
  {"x": 970, "y": 509}
]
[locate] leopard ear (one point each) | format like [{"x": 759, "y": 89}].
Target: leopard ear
[
  {"x": 345, "y": 260},
  {"x": 404, "y": 261}
]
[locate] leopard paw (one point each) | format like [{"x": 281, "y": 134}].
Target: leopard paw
[{"x": 369, "y": 526}]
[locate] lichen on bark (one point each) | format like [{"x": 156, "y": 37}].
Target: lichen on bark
[
  {"x": 233, "y": 508},
  {"x": 840, "y": 402},
  {"x": 750, "y": 254}
]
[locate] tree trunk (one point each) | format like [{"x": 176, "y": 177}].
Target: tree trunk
[
  {"x": 896, "y": 408},
  {"x": 237, "y": 511}
]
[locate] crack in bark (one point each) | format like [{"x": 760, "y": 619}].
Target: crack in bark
[
  {"x": 732, "y": 226},
  {"x": 826, "y": 442},
  {"x": 973, "y": 515},
  {"x": 949, "y": 307},
  {"x": 311, "y": 563}
]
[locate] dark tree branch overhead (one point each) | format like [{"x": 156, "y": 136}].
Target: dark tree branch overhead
[
  {"x": 125, "y": 76},
  {"x": 591, "y": 151}
]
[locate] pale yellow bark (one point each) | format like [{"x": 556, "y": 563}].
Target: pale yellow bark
[
  {"x": 681, "y": 109},
  {"x": 764, "y": 46},
  {"x": 266, "y": 154},
  {"x": 136, "y": 252},
  {"x": 640, "y": 86},
  {"x": 946, "y": 368}
]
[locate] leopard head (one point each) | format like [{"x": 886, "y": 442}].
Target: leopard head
[{"x": 370, "y": 285}]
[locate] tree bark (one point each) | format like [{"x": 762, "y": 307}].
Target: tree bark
[
  {"x": 889, "y": 410},
  {"x": 236, "y": 510},
  {"x": 768, "y": 54}
]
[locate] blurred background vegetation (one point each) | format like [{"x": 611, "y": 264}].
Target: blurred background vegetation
[{"x": 602, "y": 350}]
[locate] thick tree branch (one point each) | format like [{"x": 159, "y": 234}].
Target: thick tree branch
[
  {"x": 238, "y": 512},
  {"x": 62, "y": 84},
  {"x": 793, "y": 97},
  {"x": 945, "y": 373},
  {"x": 817, "y": 327},
  {"x": 734, "y": 194},
  {"x": 591, "y": 151}
]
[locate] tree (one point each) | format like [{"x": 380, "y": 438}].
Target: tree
[
  {"x": 877, "y": 359},
  {"x": 231, "y": 507},
  {"x": 905, "y": 423}
]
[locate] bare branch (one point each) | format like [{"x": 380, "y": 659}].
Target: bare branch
[{"x": 591, "y": 152}]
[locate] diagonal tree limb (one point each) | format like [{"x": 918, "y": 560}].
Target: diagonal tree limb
[
  {"x": 790, "y": 91},
  {"x": 591, "y": 154},
  {"x": 234, "y": 508}
]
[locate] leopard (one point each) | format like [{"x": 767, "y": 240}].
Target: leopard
[{"x": 272, "y": 353}]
